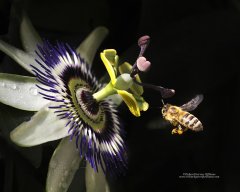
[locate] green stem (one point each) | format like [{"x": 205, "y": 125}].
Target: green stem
[{"x": 104, "y": 92}]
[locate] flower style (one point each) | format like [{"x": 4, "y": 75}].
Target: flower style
[{"x": 122, "y": 83}]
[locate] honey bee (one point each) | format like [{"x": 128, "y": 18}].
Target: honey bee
[{"x": 180, "y": 117}]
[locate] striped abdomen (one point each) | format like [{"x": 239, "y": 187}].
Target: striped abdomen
[{"x": 190, "y": 121}]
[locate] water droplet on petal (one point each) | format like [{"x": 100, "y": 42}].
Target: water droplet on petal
[
  {"x": 13, "y": 86},
  {"x": 33, "y": 91},
  {"x": 2, "y": 84}
]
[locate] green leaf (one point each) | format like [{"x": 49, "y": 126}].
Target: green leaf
[
  {"x": 20, "y": 92},
  {"x": 96, "y": 181},
  {"x": 43, "y": 127},
  {"x": 63, "y": 166},
  {"x": 88, "y": 48}
]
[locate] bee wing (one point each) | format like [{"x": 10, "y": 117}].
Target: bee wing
[{"x": 192, "y": 104}]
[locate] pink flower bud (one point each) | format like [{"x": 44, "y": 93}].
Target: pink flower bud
[{"x": 142, "y": 64}]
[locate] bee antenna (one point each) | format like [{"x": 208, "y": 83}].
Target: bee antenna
[{"x": 162, "y": 102}]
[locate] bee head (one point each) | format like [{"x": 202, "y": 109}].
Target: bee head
[{"x": 165, "y": 109}]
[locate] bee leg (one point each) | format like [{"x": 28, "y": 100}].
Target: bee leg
[
  {"x": 180, "y": 130},
  {"x": 175, "y": 130},
  {"x": 174, "y": 123}
]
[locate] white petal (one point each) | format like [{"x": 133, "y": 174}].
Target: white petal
[
  {"x": 89, "y": 46},
  {"x": 95, "y": 181},
  {"x": 44, "y": 126},
  {"x": 63, "y": 166},
  {"x": 20, "y": 92},
  {"x": 22, "y": 58},
  {"x": 29, "y": 36}
]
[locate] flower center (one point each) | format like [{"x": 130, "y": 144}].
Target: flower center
[
  {"x": 85, "y": 106},
  {"x": 86, "y": 99}
]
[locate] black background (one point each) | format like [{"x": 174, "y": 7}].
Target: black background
[{"x": 194, "y": 48}]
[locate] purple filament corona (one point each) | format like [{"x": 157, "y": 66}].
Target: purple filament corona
[{"x": 62, "y": 73}]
